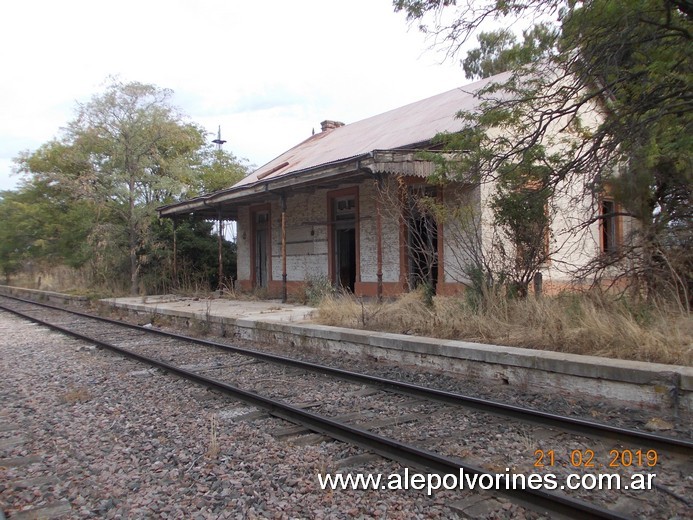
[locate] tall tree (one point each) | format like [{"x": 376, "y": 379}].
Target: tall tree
[
  {"x": 90, "y": 195},
  {"x": 216, "y": 170},
  {"x": 15, "y": 242},
  {"x": 139, "y": 149},
  {"x": 43, "y": 225},
  {"x": 609, "y": 102},
  {"x": 499, "y": 50}
]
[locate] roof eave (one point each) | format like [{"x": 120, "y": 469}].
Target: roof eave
[
  {"x": 304, "y": 177},
  {"x": 401, "y": 160}
]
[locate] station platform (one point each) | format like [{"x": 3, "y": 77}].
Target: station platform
[
  {"x": 250, "y": 310},
  {"x": 650, "y": 385}
]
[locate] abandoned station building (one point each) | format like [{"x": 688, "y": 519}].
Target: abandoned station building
[{"x": 331, "y": 208}]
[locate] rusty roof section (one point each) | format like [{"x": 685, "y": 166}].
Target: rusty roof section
[{"x": 402, "y": 127}]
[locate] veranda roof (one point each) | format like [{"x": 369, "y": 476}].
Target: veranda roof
[{"x": 383, "y": 139}]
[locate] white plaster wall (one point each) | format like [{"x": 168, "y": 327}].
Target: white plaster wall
[
  {"x": 571, "y": 247},
  {"x": 243, "y": 244},
  {"x": 392, "y": 246},
  {"x": 368, "y": 235},
  {"x": 462, "y": 209},
  {"x": 572, "y": 243},
  {"x": 306, "y": 237}
]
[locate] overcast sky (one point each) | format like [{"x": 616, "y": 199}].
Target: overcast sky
[{"x": 268, "y": 72}]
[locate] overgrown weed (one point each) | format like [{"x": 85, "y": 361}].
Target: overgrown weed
[
  {"x": 74, "y": 395},
  {"x": 213, "y": 448},
  {"x": 578, "y": 323}
]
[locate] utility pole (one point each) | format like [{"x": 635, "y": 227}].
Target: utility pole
[{"x": 219, "y": 141}]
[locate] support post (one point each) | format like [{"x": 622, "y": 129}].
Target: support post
[
  {"x": 284, "y": 290},
  {"x": 220, "y": 244},
  {"x": 379, "y": 237},
  {"x": 175, "y": 253},
  {"x": 538, "y": 284}
]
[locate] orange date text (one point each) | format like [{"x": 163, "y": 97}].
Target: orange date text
[{"x": 587, "y": 458}]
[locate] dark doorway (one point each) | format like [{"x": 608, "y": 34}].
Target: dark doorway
[
  {"x": 422, "y": 239},
  {"x": 344, "y": 243},
  {"x": 345, "y": 257}
]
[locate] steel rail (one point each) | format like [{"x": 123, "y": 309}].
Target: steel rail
[
  {"x": 536, "y": 499},
  {"x": 569, "y": 424}
]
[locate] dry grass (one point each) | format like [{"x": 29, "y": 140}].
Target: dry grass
[
  {"x": 75, "y": 395},
  {"x": 213, "y": 449},
  {"x": 574, "y": 323}
]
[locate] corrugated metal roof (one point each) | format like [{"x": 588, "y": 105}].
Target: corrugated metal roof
[
  {"x": 401, "y": 127},
  {"x": 398, "y": 129}
]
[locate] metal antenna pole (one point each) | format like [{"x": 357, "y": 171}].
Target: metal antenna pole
[{"x": 219, "y": 141}]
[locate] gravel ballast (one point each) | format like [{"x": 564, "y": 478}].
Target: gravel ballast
[{"x": 107, "y": 438}]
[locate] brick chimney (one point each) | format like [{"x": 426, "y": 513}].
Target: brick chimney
[{"x": 330, "y": 125}]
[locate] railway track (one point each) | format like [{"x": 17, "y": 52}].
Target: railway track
[{"x": 386, "y": 409}]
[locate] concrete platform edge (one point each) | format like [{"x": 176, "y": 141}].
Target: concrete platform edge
[
  {"x": 635, "y": 382},
  {"x": 639, "y": 383},
  {"x": 39, "y": 295}
]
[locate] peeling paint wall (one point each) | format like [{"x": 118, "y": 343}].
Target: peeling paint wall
[
  {"x": 461, "y": 231},
  {"x": 307, "y": 229},
  {"x": 243, "y": 244},
  {"x": 391, "y": 239},
  {"x": 306, "y": 237}
]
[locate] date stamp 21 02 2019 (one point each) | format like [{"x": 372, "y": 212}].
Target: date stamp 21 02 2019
[{"x": 587, "y": 458}]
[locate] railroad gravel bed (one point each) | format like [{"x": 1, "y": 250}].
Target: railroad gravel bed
[
  {"x": 190, "y": 456},
  {"x": 116, "y": 440},
  {"x": 614, "y": 413}
]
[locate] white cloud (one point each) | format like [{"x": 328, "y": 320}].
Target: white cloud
[{"x": 267, "y": 72}]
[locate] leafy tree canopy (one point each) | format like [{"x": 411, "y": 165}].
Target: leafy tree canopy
[
  {"x": 605, "y": 88},
  {"x": 127, "y": 151},
  {"x": 499, "y": 50},
  {"x": 215, "y": 170}
]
